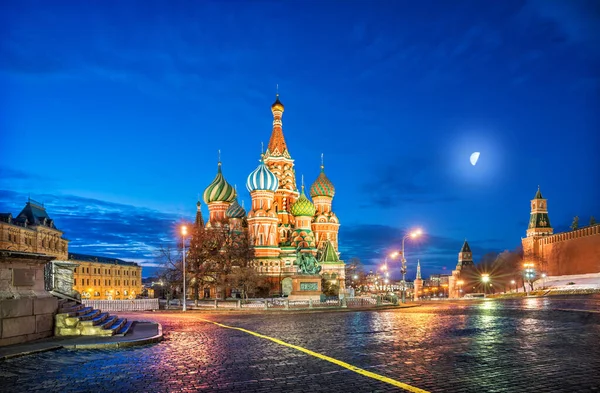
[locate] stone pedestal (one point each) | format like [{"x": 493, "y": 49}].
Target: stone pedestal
[
  {"x": 26, "y": 309},
  {"x": 305, "y": 287}
]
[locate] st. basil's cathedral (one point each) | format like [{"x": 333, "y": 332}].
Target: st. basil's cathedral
[{"x": 282, "y": 221}]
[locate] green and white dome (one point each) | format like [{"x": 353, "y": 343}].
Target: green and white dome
[
  {"x": 219, "y": 190},
  {"x": 235, "y": 210}
]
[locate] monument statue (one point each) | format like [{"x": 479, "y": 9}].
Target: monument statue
[{"x": 307, "y": 264}]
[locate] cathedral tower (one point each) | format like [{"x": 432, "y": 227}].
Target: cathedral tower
[
  {"x": 262, "y": 218},
  {"x": 218, "y": 196},
  {"x": 325, "y": 223},
  {"x": 236, "y": 216},
  {"x": 278, "y": 160},
  {"x": 303, "y": 237}
]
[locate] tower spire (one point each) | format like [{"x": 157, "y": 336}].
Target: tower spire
[
  {"x": 277, "y": 146},
  {"x": 418, "y": 269}
]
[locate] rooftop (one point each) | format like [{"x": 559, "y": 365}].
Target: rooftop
[{"x": 95, "y": 258}]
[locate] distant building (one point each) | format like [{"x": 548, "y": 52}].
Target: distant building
[
  {"x": 32, "y": 231},
  {"x": 100, "y": 278},
  {"x": 567, "y": 253},
  {"x": 461, "y": 276},
  {"x": 283, "y": 223}
]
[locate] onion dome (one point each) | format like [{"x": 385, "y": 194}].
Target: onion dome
[
  {"x": 303, "y": 206},
  {"x": 322, "y": 186},
  {"x": 262, "y": 179},
  {"x": 277, "y": 105},
  {"x": 235, "y": 210},
  {"x": 219, "y": 190}
]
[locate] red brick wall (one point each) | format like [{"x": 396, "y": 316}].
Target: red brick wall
[{"x": 579, "y": 255}]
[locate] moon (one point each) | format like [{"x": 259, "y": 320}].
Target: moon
[{"x": 474, "y": 158}]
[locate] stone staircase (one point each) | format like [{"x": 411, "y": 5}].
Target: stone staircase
[{"x": 75, "y": 319}]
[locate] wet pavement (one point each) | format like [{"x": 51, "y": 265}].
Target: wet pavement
[{"x": 521, "y": 345}]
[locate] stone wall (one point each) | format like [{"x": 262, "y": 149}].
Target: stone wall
[
  {"x": 26, "y": 309},
  {"x": 576, "y": 252}
]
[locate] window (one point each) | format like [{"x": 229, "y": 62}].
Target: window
[{"x": 74, "y": 281}]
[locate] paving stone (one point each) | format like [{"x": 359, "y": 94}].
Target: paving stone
[{"x": 454, "y": 347}]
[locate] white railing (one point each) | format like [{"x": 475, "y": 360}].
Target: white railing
[{"x": 123, "y": 305}]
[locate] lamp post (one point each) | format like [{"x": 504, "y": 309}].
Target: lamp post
[
  {"x": 513, "y": 282},
  {"x": 403, "y": 269},
  {"x": 183, "y": 234}
]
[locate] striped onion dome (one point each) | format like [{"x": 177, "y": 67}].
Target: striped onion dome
[
  {"x": 303, "y": 206},
  {"x": 219, "y": 190},
  {"x": 262, "y": 179},
  {"x": 235, "y": 210},
  {"x": 322, "y": 186}
]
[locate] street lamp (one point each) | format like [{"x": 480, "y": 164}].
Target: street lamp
[
  {"x": 513, "y": 282},
  {"x": 412, "y": 235},
  {"x": 183, "y": 234},
  {"x": 485, "y": 278},
  {"x": 460, "y": 284}
]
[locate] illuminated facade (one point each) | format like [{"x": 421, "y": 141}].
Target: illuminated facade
[
  {"x": 282, "y": 221},
  {"x": 567, "y": 253},
  {"x": 457, "y": 280},
  {"x": 100, "y": 278},
  {"x": 32, "y": 230}
]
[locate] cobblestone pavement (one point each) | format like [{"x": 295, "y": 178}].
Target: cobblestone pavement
[{"x": 522, "y": 345}]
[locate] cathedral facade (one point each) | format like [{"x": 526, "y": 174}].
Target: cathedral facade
[{"x": 282, "y": 222}]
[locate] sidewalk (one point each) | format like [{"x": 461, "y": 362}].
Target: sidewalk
[{"x": 141, "y": 333}]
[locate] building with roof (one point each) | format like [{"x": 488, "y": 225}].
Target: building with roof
[
  {"x": 33, "y": 231},
  {"x": 457, "y": 280},
  {"x": 102, "y": 278},
  {"x": 282, "y": 221}
]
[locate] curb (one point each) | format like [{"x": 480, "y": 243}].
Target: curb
[
  {"x": 121, "y": 344},
  {"x": 116, "y": 344},
  {"x": 284, "y": 311},
  {"x": 32, "y": 352}
]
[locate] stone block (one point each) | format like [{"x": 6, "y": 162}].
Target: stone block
[
  {"x": 46, "y": 305},
  {"x": 5, "y": 274},
  {"x": 12, "y": 308},
  {"x": 18, "y": 326},
  {"x": 24, "y": 338},
  {"x": 44, "y": 322},
  {"x": 67, "y": 331}
]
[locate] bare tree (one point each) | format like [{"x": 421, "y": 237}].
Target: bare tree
[
  {"x": 170, "y": 274},
  {"x": 248, "y": 281},
  {"x": 214, "y": 253},
  {"x": 355, "y": 273}
]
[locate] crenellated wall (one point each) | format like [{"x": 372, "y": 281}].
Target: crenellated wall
[{"x": 567, "y": 253}]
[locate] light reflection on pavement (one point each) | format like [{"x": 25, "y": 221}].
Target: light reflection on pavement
[{"x": 480, "y": 346}]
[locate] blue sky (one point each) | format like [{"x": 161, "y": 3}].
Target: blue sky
[{"x": 112, "y": 114}]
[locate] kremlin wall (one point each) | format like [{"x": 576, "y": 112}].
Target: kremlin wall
[
  {"x": 561, "y": 254},
  {"x": 568, "y": 253}
]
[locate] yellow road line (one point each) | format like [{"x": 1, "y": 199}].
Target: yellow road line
[{"x": 327, "y": 358}]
